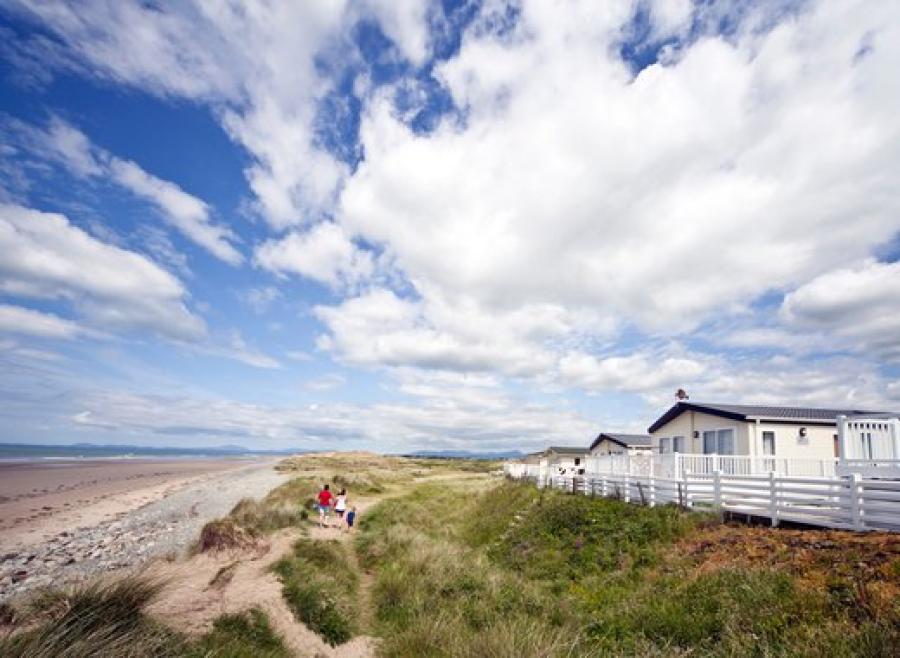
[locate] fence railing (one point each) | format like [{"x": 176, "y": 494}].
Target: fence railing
[
  {"x": 853, "y": 502},
  {"x": 678, "y": 465}
]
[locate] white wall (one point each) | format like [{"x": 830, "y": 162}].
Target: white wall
[{"x": 818, "y": 443}]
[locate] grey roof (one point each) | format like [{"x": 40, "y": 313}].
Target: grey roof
[
  {"x": 568, "y": 450},
  {"x": 760, "y": 412},
  {"x": 625, "y": 440}
]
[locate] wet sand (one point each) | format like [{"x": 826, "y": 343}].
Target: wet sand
[{"x": 39, "y": 500}]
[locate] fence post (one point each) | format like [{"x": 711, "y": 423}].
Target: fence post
[
  {"x": 627, "y": 489},
  {"x": 773, "y": 499},
  {"x": 717, "y": 488},
  {"x": 688, "y": 499},
  {"x": 856, "y": 511},
  {"x": 603, "y": 486},
  {"x": 652, "y": 491}
]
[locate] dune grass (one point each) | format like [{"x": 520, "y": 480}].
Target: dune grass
[
  {"x": 108, "y": 619},
  {"x": 320, "y": 583},
  {"x": 244, "y": 635},
  {"x": 514, "y": 571}
]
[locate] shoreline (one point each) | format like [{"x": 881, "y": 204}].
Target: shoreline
[{"x": 111, "y": 514}]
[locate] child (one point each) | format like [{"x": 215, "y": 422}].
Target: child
[
  {"x": 340, "y": 506},
  {"x": 351, "y": 517}
]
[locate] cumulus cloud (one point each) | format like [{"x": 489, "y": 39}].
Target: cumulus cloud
[
  {"x": 42, "y": 255},
  {"x": 381, "y": 328},
  {"x": 638, "y": 372},
  {"x": 668, "y": 197},
  {"x": 858, "y": 306},
  {"x": 20, "y": 320},
  {"x": 323, "y": 253}
]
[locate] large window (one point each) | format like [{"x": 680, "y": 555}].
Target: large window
[
  {"x": 718, "y": 442},
  {"x": 677, "y": 444},
  {"x": 665, "y": 446}
]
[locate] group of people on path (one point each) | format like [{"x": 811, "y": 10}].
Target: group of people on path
[{"x": 326, "y": 501}]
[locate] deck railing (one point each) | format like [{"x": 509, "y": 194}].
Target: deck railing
[
  {"x": 677, "y": 465},
  {"x": 852, "y": 502}
]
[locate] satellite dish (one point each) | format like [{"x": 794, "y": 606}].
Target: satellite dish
[{"x": 681, "y": 394}]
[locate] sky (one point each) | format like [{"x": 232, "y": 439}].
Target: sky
[{"x": 398, "y": 225}]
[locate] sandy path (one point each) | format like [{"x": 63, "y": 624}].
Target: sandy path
[{"x": 191, "y": 603}]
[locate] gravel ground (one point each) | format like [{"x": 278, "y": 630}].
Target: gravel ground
[{"x": 164, "y": 527}]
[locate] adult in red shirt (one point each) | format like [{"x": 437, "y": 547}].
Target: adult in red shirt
[{"x": 324, "y": 502}]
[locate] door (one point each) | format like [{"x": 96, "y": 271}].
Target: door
[{"x": 768, "y": 448}]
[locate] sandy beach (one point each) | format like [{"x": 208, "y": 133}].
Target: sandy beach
[{"x": 62, "y": 520}]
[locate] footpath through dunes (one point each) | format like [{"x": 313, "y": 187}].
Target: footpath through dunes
[
  {"x": 306, "y": 579},
  {"x": 263, "y": 580}
]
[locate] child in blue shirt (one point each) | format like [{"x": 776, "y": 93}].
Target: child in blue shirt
[{"x": 350, "y": 518}]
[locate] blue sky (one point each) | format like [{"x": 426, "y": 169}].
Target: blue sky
[{"x": 403, "y": 225}]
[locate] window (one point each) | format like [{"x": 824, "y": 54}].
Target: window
[
  {"x": 768, "y": 446},
  {"x": 577, "y": 461},
  {"x": 678, "y": 444},
  {"x": 664, "y": 446},
  {"x": 719, "y": 442}
]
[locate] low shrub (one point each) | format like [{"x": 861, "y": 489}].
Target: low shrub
[{"x": 223, "y": 534}]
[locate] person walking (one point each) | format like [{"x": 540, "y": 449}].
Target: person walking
[
  {"x": 340, "y": 506},
  {"x": 324, "y": 499}
]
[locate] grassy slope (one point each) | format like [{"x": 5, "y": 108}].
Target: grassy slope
[
  {"x": 320, "y": 586},
  {"x": 108, "y": 619},
  {"x": 518, "y": 572}
]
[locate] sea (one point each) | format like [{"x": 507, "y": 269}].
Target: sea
[{"x": 25, "y": 452}]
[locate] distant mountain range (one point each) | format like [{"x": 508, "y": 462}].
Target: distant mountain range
[{"x": 465, "y": 454}]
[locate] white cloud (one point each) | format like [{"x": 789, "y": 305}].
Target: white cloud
[
  {"x": 634, "y": 373},
  {"x": 185, "y": 212},
  {"x": 323, "y": 253},
  {"x": 859, "y": 306},
  {"x": 259, "y": 299},
  {"x": 380, "y": 328},
  {"x": 19, "y": 320},
  {"x": 667, "y": 199},
  {"x": 426, "y": 423},
  {"x": 405, "y": 23},
  {"x": 43, "y": 255},
  {"x": 239, "y": 350},
  {"x": 188, "y": 214},
  {"x": 327, "y": 382},
  {"x": 72, "y": 148}
]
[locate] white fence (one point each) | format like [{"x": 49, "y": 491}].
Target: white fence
[
  {"x": 680, "y": 465},
  {"x": 851, "y": 503}
]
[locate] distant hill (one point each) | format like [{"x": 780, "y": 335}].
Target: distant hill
[{"x": 464, "y": 454}]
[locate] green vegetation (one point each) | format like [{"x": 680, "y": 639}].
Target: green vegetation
[
  {"x": 464, "y": 565},
  {"x": 108, "y": 619},
  {"x": 514, "y": 571},
  {"x": 285, "y": 506},
  {"x": 320, "y": 585},
  {"x": 99, "y": 619},
  {"x": 245, "y": 635}
]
